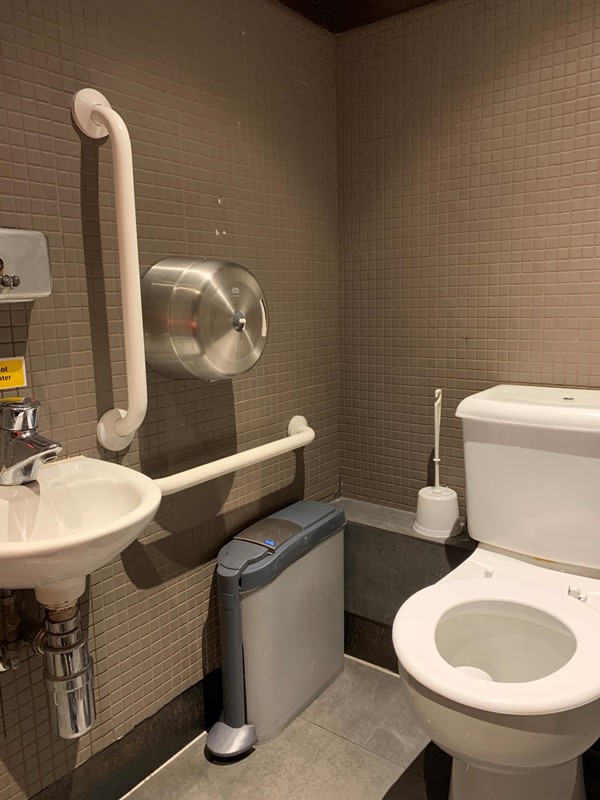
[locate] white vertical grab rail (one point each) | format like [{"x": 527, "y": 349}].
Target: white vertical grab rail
[{"x": 94, "y": 116}]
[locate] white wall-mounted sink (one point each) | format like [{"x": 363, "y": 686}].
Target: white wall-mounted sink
[{"x": 78, "y": 515}]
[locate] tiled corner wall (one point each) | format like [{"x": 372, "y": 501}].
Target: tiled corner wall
[
  {"x": 469, "y": 139},
  {"x": 231, "y": 108}
]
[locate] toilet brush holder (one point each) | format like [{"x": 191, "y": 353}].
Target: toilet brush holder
[{"x": 437, "y": 512}]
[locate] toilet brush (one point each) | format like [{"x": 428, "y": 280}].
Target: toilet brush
[{"x": 437, "y": 506}]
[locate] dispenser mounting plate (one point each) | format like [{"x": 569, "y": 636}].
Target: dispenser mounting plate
[{"x": 24, "y": 266}]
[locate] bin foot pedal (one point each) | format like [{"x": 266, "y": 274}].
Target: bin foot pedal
[{"x": 223, "y": 741}]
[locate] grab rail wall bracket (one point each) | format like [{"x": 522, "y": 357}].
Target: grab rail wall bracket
[
  {"x": 299, "y": 435},
  {"x": 94, "y": 116}
]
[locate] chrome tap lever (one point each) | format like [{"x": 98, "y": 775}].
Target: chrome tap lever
[
  {"x": 22, "y": 449},
  {"x": 19, "y": 414}
]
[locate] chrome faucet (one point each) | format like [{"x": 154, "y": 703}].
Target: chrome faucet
[{"x": 22, "y": 449}]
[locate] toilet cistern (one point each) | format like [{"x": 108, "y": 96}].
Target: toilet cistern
[
  {"x": 498, "y": 659},
  {"x": 22, "y": 449}
]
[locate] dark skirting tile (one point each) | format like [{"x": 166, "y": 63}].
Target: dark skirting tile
[
  {"x": 591, "y": 771},
  {"x": 370, "y": 641},
  {"x": 114, "y": 771},
  {"x": 434, "y": 765},
  {"x": 410, "y": 786}
]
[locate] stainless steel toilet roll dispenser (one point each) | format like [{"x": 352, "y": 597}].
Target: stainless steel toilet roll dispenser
[{"x": 203, "y": 318}]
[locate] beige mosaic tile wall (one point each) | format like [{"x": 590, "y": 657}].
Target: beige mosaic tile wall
[
  {"x": 231, "y": 110},
  {"x": 469, "y": 136}
]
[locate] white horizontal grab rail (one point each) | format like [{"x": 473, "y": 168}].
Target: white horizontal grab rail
[
  {"x": 299, "y": 435},
  {"x": 95, "y": 117}
]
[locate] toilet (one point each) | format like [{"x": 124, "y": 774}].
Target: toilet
[{"x": 500, "y": 660}]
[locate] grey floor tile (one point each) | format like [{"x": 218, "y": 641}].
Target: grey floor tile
[
  {"x": 367, "y": 707},
  {"x": 355, "y": 742},
  {"x": 305, "y": 763}
]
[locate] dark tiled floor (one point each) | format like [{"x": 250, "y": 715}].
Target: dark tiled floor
[{"x": 358, "y": 741}]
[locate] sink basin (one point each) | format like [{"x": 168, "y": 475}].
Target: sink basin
[{"x": 78, "y": 515}]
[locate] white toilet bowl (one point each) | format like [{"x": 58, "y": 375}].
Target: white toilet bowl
[
  {"x": 502, "y": 673},
  {"x": 501, "y": 659}
]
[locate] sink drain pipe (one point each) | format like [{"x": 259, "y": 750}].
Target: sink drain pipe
[{"x": 68, "y": 669}]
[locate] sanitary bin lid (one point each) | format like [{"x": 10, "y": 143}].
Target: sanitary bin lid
[{"x": 265, "y": 549}]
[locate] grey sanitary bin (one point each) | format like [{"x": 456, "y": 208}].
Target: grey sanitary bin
[{"x": 281, "y": 608}]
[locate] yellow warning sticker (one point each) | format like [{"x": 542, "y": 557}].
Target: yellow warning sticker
[{"x": 12, "y": 372}]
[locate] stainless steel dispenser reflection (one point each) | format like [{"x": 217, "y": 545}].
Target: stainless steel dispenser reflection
[{"x": 203, "y": 318}]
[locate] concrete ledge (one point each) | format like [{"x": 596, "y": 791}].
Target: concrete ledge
[
  {"x": 385, "y": 562},
  {"x": 396, "y": 520}
]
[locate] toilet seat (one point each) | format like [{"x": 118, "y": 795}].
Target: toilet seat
[{"x": 572, "y": 685}]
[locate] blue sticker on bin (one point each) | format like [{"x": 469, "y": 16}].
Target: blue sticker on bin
[{"x": 270, "y": 542}]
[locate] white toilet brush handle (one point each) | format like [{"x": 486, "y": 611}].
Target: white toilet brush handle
[{"x": 437, "y": 418}]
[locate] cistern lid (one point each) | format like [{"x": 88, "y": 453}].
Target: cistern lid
[{"x": 535, "y": 406}]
